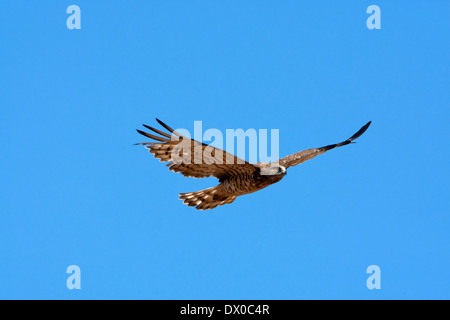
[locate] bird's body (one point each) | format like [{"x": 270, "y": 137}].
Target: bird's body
[
  {"x": 229, "y": 188},
  {"x": 236, "y": 176},
  {"x": 248, "y": 182}
]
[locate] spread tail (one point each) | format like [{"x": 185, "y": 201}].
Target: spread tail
[{"x": 207, "y": 199}]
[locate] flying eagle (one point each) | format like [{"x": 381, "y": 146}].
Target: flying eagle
[{"x": 236, "y": 176}]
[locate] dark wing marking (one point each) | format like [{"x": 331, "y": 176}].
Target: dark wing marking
[
  {"x": 200, "y": 160},
  {"x": 302, "y": 156}
]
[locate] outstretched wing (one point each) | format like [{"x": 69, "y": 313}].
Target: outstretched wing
[
  {"x": 192, "y": 158},
  {"x": 302, "y": 156}
]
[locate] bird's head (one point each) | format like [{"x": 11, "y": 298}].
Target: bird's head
[{"x": 273, "y": 170}]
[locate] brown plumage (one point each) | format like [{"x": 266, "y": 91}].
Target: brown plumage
[{"x": 236, "y": 176}]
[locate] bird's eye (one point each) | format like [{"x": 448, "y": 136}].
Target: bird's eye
[{"x": 276, "y": 170}]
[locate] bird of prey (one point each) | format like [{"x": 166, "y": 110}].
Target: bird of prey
[{"x": 236, "y": 176}]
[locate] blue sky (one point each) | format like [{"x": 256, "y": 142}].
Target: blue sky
[{"x": 75, "y": 191}]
